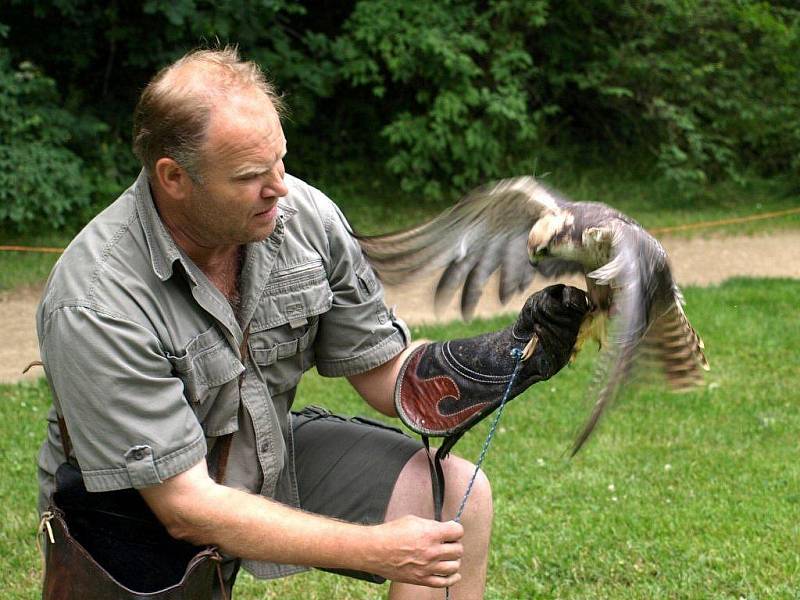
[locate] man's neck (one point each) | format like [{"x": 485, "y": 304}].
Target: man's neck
[
  {"x": 209, "y": 258},
  {"x": 221, "y": 264}
]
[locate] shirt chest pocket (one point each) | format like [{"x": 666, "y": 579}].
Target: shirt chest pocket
[
  {"x": 209, "y": 370},
  {"x": 285, "y": 324}
]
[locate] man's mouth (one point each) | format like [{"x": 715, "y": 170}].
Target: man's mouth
[{"x": 268, "y": 214}]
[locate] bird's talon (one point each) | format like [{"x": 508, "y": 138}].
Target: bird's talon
[{"x": 530, "y": 347}]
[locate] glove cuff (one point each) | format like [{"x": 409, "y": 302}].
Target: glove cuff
[{"x": 446, "y": 387}]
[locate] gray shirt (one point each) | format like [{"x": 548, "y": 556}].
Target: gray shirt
[{"x": 142, "y": 351}]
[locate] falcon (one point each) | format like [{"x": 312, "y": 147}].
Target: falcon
[{"x": 524, "y": 228}]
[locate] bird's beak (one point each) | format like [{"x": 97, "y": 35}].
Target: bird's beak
[{"x": 538, "y": 254}]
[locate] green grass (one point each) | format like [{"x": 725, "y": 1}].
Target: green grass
[
  {"x": 28, "y": 268},
  {"x": 374, "y": 207},
  {"x": 694, "y": 495}
]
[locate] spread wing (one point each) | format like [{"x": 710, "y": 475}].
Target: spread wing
[
  {"x": 489, "y": 230},
  {"x": 486, "y": 231},
  {"x": 646, "y": 318}
]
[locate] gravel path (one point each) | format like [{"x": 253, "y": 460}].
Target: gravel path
[{"x": 697, "y": 261}]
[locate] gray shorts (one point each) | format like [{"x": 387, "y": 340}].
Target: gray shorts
[{"x": 347, "y": 467}]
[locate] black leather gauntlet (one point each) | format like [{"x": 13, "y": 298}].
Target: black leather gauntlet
[{"x": 445, "y": 388}]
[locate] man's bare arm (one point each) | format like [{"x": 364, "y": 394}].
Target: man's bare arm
[
  {"x": 410, "y": 549},
  {"x": 376, "y": 386}
]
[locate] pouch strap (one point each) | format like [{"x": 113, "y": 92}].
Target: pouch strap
[{"x": 66, "y": 443}]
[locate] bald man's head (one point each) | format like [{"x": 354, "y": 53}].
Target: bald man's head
[{"x": 172, "y": 116}]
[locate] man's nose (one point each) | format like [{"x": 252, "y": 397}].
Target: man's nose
[{"x": 275, "y": 186}]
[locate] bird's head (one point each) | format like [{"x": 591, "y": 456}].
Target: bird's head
[{"x": 547, "y": 235}]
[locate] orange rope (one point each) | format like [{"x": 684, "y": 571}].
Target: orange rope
[
  {"x": 31, "y": 249},
  {"x": 731, "y": 221},
  {"x": 655, "y": 230}
]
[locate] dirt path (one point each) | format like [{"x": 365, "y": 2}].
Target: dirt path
[{"x": 698, "y": 261}]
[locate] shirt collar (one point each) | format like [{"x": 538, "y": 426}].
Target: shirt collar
[{"x": 163, "y": 249}]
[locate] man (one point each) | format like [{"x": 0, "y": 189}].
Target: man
[{"x": 189, "y": 309}]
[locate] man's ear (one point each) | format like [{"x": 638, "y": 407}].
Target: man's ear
[{"x": 172, "y": 178}]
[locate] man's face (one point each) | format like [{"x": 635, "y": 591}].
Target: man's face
[{"x": 242, "y": 173}]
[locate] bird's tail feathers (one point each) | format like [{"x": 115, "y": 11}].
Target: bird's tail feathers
[{"x": 674, "y": 345}]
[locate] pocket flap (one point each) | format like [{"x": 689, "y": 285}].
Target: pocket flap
[
  {"x": 265, "y": 353},
  {"x": 208, "y": 362},
  {"x": 293, "y": 294}
]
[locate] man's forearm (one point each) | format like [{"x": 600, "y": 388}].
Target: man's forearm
[
  {"x": 250, "y": 526},
  {"x": 411, "y": 549}
]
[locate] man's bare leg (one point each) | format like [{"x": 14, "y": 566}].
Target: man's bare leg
[{"x": 412, "y": 495}]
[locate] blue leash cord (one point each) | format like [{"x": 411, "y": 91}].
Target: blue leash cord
[{"x": 517, "y": 354}]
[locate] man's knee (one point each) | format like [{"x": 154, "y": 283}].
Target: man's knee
[
  {"x": 413, "y": 492},
  {"x": 458, "y": 473}
]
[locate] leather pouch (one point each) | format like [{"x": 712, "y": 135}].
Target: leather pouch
[{"x": 110, "y": 545}]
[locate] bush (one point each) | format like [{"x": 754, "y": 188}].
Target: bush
[
  {"x": 446, "y": 93},
  {"x": 41, "y": 179},
  {"x": 710, "y": 89},
  {"x": 477, "y": 90},
  {"x": 460, "y": 81}
]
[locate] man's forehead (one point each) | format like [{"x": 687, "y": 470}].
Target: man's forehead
[
  {"x": 252, "y": 109},
  {"x": 250, "y": 123}
]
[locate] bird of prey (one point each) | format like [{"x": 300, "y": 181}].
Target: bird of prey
[{"x": 522, "y": 227}]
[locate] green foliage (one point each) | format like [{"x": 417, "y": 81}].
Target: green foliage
[
  {"x": 104, "y": 56},
  {"x": 706, "y": 89},
  {"x": 444, "y": 94},
  {"x": 51, "y": 166},
  {"x": 40, "y": 177},
  {"x": 263, "y": 29},
  {"x": 709, "y": 88},
  {"x": 467, "y": 83}
]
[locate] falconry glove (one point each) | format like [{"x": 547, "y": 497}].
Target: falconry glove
[{"x": 444, "y": 388}]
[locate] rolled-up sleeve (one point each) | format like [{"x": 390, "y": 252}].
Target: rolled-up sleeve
[
  {"x": 358, "y": 333},
  {"x": 125, "y": 411}
]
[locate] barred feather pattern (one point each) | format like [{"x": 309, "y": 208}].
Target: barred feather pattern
[{"x": 673, "y": 344}]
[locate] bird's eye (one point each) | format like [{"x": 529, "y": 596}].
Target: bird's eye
[{"x": 543, "y": 251}]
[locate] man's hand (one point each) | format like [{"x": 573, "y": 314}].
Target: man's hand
[
  {"x": 419, "y": 551},
  {"x": 444, "y": 388}
]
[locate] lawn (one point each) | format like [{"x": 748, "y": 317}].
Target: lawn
[{"x": 694, "y": 495}]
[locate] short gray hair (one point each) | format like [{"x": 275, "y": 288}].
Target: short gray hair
[{"x": 172, "y": 115}]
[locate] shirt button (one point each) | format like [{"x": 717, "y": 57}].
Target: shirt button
[{"x": 138, "y": 454}]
